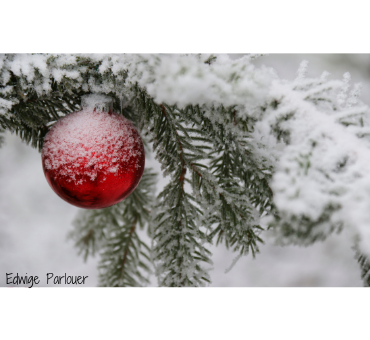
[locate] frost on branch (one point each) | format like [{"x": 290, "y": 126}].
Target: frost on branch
[
  {"x": 321, "y": 182},
  {"x": 243, "y": 148}
]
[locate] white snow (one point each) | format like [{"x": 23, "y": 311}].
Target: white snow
[
  {"x": 325, "y": 162},
  {"x": 88, "y": 142}
]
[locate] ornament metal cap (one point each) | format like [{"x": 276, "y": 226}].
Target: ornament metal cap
[{"x": 97, "y": 102}]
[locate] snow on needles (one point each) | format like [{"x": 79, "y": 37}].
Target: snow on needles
[
  {"x": 313, "y": 132},
  {"x": 184, "y": 80},
  {"x": 88, "y": 143},
  {"x": 173, "y": 79},
  {"x": 325, "y": 167}
]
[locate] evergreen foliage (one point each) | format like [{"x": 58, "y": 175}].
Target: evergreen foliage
[
  {"x": 179, "y": 240},
  {"x": 246, "y": 153}
]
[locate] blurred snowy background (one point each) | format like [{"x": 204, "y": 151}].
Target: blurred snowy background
[{"x": 34, "y": 222}]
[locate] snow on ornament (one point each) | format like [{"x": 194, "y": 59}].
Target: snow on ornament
[{"x": 93, "y": 158}]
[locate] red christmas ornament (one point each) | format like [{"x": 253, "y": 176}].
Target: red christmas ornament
[{"x": 93, "y": 158}]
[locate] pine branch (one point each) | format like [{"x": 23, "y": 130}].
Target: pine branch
[
  {"x": 179, "y": 265},
  {"x": 175, "y": 140},
  {"x": 179, "y": 241},
  {"x": 125, "y": 258},
  {"x": 32, "y": 115},
  {"x": 226, "y": 203},
  {"x": 319, "y": 170}
]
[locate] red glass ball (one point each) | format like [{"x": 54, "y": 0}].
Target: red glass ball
[{"x": 93, "y": 159}]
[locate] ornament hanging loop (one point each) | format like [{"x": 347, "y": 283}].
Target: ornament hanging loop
[{"x": 97, "y": 103}]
